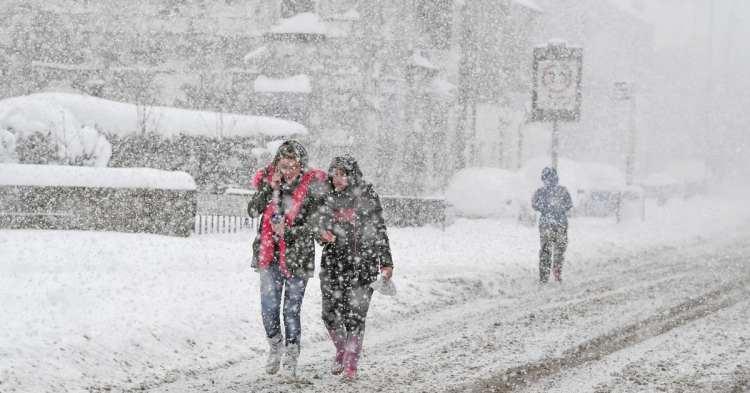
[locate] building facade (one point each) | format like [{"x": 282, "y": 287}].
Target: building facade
[{"x": 415, "y": 89}]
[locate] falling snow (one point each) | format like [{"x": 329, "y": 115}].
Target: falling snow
[{"x": 130, "y": 134}]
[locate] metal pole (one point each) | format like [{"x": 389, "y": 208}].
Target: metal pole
[
  {"x": 520, "y": 147},
  {"x": 555, "y": 143},
  {"x": 630, "y": 157}
]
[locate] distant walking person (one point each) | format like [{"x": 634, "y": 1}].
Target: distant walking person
[
  {"x": 287, "y": 200},
  {"x": 355, "y": 253},
  {"x": 553, "y": 202}
]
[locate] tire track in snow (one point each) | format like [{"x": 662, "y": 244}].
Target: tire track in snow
[{"x": 603, "y": 345}]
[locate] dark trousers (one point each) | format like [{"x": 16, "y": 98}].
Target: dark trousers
[
  {"x": 272, "y": 284},
  {"x": 554, "y": 241},
  {"x": 345, "y": 305}
]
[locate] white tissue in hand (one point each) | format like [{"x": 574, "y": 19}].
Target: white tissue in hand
[{"x": 386, "y": 287}]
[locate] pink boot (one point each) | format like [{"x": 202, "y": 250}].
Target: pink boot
[
  {"x": 339, "y": 341},
  {"x": 351, "y": 356},
  {"x": 557, "y": 272}
]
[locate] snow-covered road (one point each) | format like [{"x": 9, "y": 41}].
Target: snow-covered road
[
  {"x": 645, "y": 306},
  {"x": 673, "y": 319}
]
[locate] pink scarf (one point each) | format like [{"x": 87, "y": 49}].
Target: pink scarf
[{"x": 266, "y": 231}]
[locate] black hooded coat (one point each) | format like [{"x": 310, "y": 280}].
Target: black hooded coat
[
  {"x": 552, "y": 201},
  {"x": 355, "y": 217}
]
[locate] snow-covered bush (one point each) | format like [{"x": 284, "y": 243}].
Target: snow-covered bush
[
  {"x": 47, "y": 133},
  {"x": 83, "y": 147}
]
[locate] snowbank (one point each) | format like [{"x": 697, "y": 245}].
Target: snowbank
[
  {"x": 63, "y": 111},
  {"x": 484, "y": 192},
  {"x": 659, "y": 180},
  {"x": 493, "y": 192},
  {"x": 75, "y": 176},
  {"x": 688, "y": 171},
  {"x": 574, "y": 175}
]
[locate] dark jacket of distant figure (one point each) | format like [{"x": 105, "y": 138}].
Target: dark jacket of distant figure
[
  {"x": 552, "y": 201},
  {"x": 355, "y": 217},
  {"x": 301, "y": 235}
]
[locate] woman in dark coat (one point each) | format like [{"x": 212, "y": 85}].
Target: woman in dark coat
[{"x": 355, "y": 253}]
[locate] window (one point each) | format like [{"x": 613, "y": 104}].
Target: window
[
  {"x": 289, "y": 8},
  {"x": 435, "y": 18}
]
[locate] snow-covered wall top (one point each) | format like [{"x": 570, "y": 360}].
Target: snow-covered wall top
[
  {"x": 77, "y": 176},
  {"x": 47, "y": 111}
]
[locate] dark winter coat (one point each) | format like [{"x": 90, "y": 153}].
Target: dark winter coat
[
  {"x": 355, "y": 217},
  {"x": 552, "y": 201},
  {"x": 299, "y": 237}
]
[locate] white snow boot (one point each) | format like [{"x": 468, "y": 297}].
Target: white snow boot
[
  {"x": 290, "y": 359},
  {"x": 275, "y": 346}
]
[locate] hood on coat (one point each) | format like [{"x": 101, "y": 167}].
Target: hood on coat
[
  {"x": 549, "y": 176},
  {"x": 292, "y": 149},
  {"x": 349, "y": 165}
]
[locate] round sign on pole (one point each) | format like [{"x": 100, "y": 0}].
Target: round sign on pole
[{"x": 556, "y": 94}]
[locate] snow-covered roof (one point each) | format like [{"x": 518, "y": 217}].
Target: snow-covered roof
[
  {"x": 530, "y": 4},
  {"x": 295, "y": 84},
  {"x": 256, "y": 54},
  {"x": 53, "y": 111},
  {"x": 419, "y": 60},
  {"x": 628, "y": 9},
  {"x": 442, "y": 88},
  {"x": 350, "y": 15},
  {"x": 305, "y": 23},
  {"x": 68, "y": 67},
  {"x": 80, "y": 176}
]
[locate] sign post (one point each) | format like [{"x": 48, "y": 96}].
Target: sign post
[
  {"x": 556, "y": 92},
  {"x": 624, "y": 91}
]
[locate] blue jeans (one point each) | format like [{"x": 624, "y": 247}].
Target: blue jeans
[{"x": 272, "y": 284}]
